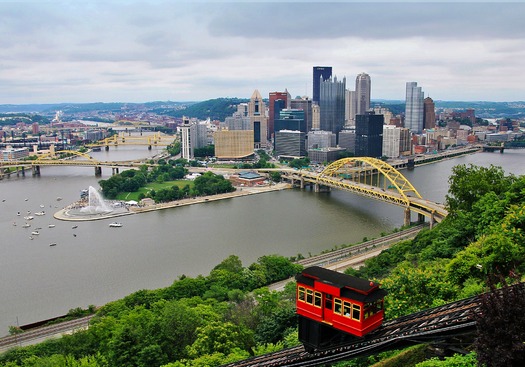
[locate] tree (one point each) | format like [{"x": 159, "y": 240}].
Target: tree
[
  {"x": 469, "y": 184},
  {"x": 500, "y": 324}
]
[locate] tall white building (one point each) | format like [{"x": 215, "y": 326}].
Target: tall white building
[
  {"x": 396, "y": 141},
  {"x": 363, "y": 87},
  {"x": 414, "y": 108},
  {"x": 188, "y": 131},
  {"x": 350, "y": 108}
]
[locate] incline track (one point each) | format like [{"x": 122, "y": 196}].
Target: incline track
[{"x": 436, "y": 324}]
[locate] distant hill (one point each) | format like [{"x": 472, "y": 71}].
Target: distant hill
[
  {"x": 215, "y": 109},
  {"x": 220, "y": 108}
]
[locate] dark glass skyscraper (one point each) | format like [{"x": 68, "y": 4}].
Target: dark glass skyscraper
[
  {"x": 324, "y": 72},
  {"x": 369, "y": 135}
]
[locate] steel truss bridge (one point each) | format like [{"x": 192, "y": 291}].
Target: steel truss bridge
[
  {"x": 52, "y": 159},
  {"x": 155, "y": 140},
  {"x": 372, "y": 178}
]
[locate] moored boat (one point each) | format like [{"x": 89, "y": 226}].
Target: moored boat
[{"x": 115, "y": 224}]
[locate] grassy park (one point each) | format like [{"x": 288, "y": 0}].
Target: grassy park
[{"x": 157, "y": 186}]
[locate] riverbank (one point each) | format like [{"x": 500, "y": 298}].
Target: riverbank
[{"x": 67, "y": 214}]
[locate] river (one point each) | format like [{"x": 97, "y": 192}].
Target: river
[{"x": 94, "y": 264}]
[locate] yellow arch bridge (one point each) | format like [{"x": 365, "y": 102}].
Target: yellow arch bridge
[
  {"x": 372, "y": 178},
  {"x": 63, "y": 158}
]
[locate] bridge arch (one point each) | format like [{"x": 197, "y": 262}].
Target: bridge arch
[{"x": 357, "y": 168}]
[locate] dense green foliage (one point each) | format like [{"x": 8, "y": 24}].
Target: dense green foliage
[
  {"x": 225, "y": 316},
  {"x": 132, "y": 180},
  {"x": 207, "y": 151},
  {"x": 482, "y": 240}
]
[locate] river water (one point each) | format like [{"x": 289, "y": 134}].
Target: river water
[{"x": 94, "y": 264}]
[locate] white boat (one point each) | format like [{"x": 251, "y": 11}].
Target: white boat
[
  {"x": 40, "y": 213},
  {"x": 28, "y": 217},
  {"x": 27, "y": 225},
  {"x": 115, "y": 224},
  {"x": 42, "y": 205},
  {"x": 52, "y": 244},
  {"x": 51, "y": 226},
  {"x": 35, "y": 233}
]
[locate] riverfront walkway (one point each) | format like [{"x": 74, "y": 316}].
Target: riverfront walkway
[{"x": 65, "y": 214}]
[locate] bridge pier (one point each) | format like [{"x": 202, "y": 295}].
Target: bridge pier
[
  {"x": 98, "y": 171},
  {"x": 407, "y": 217},
  {"x": 106, "y": 148},
  {"x": 321, "y": 188},
  {"x": 36, "y": 170},
  {"x": 432, "y": 220},
  {"x": 149, "y": 147},
  {"x": 114, "y": 171}
]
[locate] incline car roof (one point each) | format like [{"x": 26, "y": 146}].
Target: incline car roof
[{"x": 352, "y": 287}]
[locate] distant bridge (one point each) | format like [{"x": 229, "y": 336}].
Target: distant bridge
[
  {"x": 372, "y": 178},
  {"x": 51, "y": 159},
  {"x": 155, "y": 140}
]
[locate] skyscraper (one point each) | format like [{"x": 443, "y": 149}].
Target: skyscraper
[
  {"x": 429, "y": 113},
  {"x": 304, "y": 104},
  {"x": 258, "y": 120},
  {"x": 324, "y": 72},
  {"x": 188, "y": 138},
  {"x": 350, "y": 107},
  {"x": 332, "y": 105},
  {"x": 277, "y": 102},
  {"x": 369, "y": 135},
  {"x": 414, "y": 108},
  {"x": 362, "y": 92}
]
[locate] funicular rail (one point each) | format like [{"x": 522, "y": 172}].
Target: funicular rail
[{"x": 436, "y": 324}]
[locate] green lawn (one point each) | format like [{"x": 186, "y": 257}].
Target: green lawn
[{"x": 126, "y": 196}]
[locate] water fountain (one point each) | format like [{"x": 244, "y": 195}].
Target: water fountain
[{"x": 96, "y": 204}]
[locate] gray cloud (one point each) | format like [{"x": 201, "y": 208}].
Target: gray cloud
[{"x": 138, "y": 51}]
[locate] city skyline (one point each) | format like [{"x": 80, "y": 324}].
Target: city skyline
[{"x": 63, "y": 51}]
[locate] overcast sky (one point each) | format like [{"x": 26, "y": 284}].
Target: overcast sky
[{"x": 139, "y": 51}]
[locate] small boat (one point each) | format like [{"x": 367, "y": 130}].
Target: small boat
[
  {"x": 18, "y": 213},
  {"x": 28, "y": 217},
  {"x": 30, "y": 237},
  {"x": 74, "y": 227},
  {"x": 51, "y": 226},
  {"x": 40, "y": 213},
  {"x": 27, "y": 225},
  {"x": 42, "y": 205},
  {"x": 35, "y": 233},
  {"x": 59, "y": 198},
  {"x": 115, "y": 224},
  {"x": 14, "y": 223},
  {"x": 52, "y": 244},
  {"x": 26, "y": 199}
]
